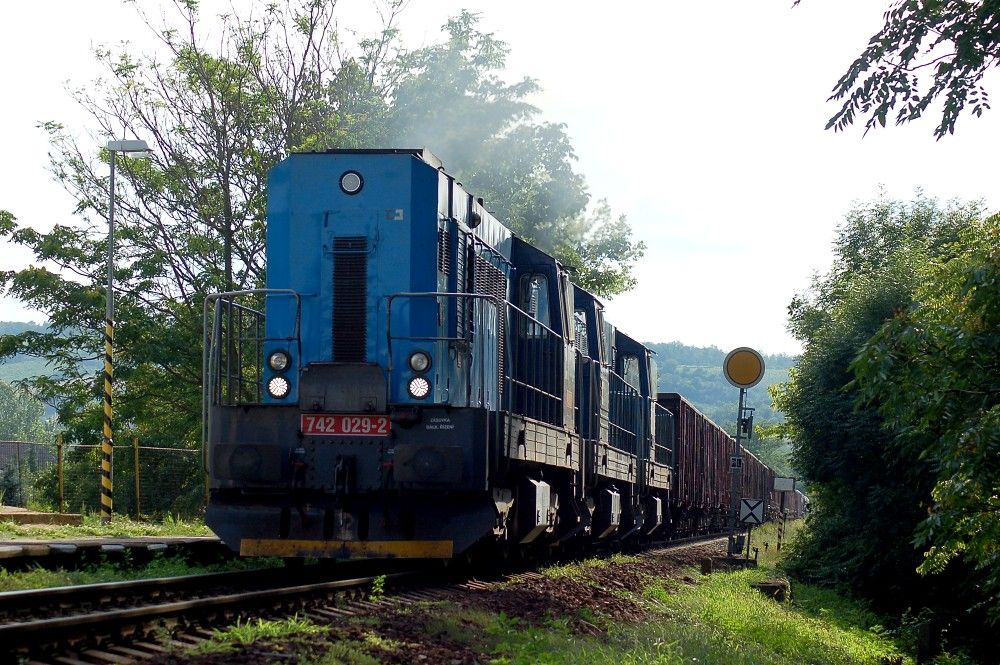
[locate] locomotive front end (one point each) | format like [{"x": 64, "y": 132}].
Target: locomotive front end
[{"x": 348, "y": 405}]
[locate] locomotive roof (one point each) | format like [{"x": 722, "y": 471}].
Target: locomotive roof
[{"x": 420, "y": 153}]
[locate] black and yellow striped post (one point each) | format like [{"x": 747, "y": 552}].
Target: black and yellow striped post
[
  {"x": 137, "y": 148},
  {"x": 107, "y": 444}
]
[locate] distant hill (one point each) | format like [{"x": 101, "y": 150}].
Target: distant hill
[
  {"x": 696, "y": 373},
  {"x": 693, "y": 371},
  {"x": 21, "y": 366}
]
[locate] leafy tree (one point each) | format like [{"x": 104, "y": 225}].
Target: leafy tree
[
  {"x": 451, "y": 98},
  {"x": 772, "y": 446},
  {"x": 933, "y": 371},
  {"x": 188, "y": 221},
  {"x": 925, "y": 51},
  {"x": 868, "y": 490},
  {"x": 191, "y": 219},
  {"x": 21, "y": 420},
  {"x": 22, "y": 416}
]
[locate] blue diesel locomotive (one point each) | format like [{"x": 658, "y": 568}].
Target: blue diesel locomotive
[{"x": 416, "y": 380}]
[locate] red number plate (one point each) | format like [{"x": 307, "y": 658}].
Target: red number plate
[{"x": 317, "y": 424}]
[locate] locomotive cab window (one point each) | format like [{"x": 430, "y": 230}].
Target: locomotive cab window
[
  {"x": 580, "y": 332},
  {"x": 535, "y": 300},
  {"x": 630, "y": 370}
]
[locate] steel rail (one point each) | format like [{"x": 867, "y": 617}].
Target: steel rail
[
  {"x": 14, "y": 633},
  {"x": 71, "y": 634},
  {"x": 80, "y": 593}
]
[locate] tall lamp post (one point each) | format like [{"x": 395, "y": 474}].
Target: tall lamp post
[{"x": 136, "y": 148}]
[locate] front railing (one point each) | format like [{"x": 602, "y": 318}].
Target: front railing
[{"x": 233, "y": 348}]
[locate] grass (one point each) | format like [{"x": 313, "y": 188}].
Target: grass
[
  {"x": 378, "y": 589},
  {"x": 295, "y": 635},
  {"x": 243, "y": 633},
  {"x": 719, "y": 619},
  {"x": 159, "y": 566},
  {"x": 723, "y": 613},
  {"x": 577, "y": 570},
  {"x": 120, "y": 527}
]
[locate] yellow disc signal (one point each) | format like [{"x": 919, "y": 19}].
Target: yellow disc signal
[{"x": 744, "y": 367}]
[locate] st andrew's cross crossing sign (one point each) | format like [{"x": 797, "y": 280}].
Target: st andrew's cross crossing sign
[{"x": 752, "y": 511}]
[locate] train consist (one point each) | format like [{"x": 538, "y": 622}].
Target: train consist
[
  {"x": 417, "y": 381},
  {"x": 701, "y": 491}
]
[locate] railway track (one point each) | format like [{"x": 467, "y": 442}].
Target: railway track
[
  {"x": 127, "y": 621},
  {"x": 141, "y": 620}
]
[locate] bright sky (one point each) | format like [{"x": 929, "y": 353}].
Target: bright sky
[{"x": 702, "y": 121}]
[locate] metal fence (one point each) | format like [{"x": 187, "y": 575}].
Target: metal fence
[
  {"x": 149, "y": 481},
  {"x": 20, "y": 463}
]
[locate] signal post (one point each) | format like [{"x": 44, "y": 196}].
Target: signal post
[{"x": 744, "y": 368}]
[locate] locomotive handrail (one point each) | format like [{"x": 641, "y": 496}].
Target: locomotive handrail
[
  {"x": 660, "y": 437},
  {"x": 426, "y": 294},
  {"x": 628, "y": 425},
  {"x": 494, "y": 300},
  {"x": 210, "y": 350},
  {"x": 536, "y": 322},
  {"x": 538, "y": 393},
  {"x": 479, "y": 243}
]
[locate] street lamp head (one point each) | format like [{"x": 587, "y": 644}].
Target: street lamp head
[{"x": 129, "y": 145}]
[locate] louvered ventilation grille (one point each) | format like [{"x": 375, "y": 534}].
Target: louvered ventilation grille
[
  {"x": 461, "y": 275},
  {"x": 580, "y": 330},
  {"x": 444, "y": 252},
  {"x": 490, "y": 280},
  {"x": 350, "y": 299}
]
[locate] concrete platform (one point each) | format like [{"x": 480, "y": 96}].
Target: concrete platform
[
  {"x": 25, "y": 516},
  {"x": 14, "y": 552}
]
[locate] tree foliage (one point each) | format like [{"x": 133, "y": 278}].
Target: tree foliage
[
  {"x": 927, "y": 51},
  {"x": 22, "y": 416},
  {"x": 869, "y": 488},
  {"x": 188, "y": 221},
  {"x": 933, "y": 371},
  {"x": 772, "y": 446},
  {"x": 450, "y": 97},
  {"x": 225, "y": 103}
]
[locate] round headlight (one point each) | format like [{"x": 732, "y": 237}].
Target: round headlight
[
  {"x": 351, "y": 182},
  {"x": 279, "y": 361},
  {"x": 419, "y": 387},
  {"x": 420, "y": 361},
  {"x": 278, "y": 387}
]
